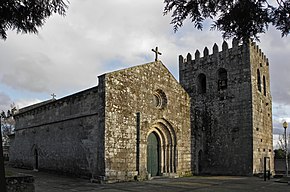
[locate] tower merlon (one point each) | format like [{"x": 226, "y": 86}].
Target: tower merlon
[
  {"x": 188, "y": 58},
  {"x": 225, "y": 46},
  {"x": 197, "y": 54},
  {"x": 205, "y": 52},
  {"x": 181, "y": 59},
  {"x": 215, "y": 48},
  {"x": 235, "y": 42}
]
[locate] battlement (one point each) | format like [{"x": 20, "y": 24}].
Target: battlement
[
  {"x": 236, "y": 49},
  {"x": 256, "y": 49}
]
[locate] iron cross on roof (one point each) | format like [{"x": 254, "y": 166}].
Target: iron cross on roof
[
  {"x": 53, "y": 96},
  {"x": 156, "y": 53}
]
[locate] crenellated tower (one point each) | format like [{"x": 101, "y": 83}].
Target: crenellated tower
[{"x": 231, "y": 109}]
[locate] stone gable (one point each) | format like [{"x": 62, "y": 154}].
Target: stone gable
[{"x": 151, "y": 91}]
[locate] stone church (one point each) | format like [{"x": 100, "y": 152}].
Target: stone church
[{"x": 141, "y": 122}]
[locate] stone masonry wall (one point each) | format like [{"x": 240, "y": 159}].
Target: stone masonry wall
[
  {"x": 220, "y": 86},
  {"x": 138, "y": 90},
  {"x": 61, "y": 135},
  {"x": 262, "y": 111}
]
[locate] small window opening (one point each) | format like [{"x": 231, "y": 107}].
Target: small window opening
[
  {"x": 201, "y": 83},
  {"x": 222, "y": 79}
]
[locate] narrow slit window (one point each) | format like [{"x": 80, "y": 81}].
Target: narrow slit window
[
  {"x": 259, "y": 80},
  {"x": 264, "y": 86}
]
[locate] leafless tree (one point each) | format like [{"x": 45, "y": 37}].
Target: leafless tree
[
  {"x": 281, "y": 141},
  {"x": 7, "y": 124}
]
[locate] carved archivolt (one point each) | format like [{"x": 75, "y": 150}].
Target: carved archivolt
[{"x": 168, "y": 144}]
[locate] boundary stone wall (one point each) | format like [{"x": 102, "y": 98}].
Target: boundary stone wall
[{"x": 23, "y": 183}]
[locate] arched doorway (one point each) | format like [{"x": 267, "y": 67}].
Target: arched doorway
[
  {"x": 153, "y": 154},
  {"x": 161, "y": 149}
]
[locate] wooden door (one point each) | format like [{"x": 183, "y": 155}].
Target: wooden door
[{"x": 153, "y": 155}]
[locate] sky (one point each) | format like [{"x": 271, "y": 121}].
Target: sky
[{"x": 96, "y": 37}]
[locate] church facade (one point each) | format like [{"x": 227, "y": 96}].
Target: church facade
[{"x": 140, "y": 122}]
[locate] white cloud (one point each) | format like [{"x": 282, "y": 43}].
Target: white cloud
[
  {"x": 24, "y": 103},
  {"x": 5, "y": 102}
]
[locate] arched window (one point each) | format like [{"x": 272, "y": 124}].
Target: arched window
[
  {"x": 201, "y": 84},
  {"x": 259, "y": 80},
  {"x": 264, "y": 86},
  {"x": 222, "y": 79}
]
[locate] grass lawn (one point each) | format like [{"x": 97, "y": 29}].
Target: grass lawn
[{"x": 9, "y": 172}]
